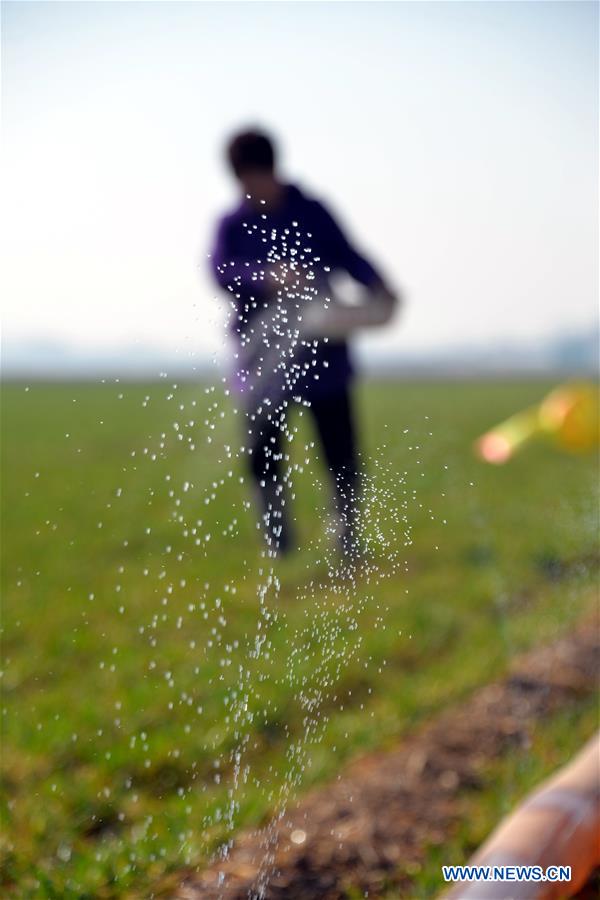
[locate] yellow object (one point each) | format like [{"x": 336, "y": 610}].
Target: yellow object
[{"x": 569, "y": 415}]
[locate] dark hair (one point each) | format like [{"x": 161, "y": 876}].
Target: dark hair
[{"x": 251, "y": 150}]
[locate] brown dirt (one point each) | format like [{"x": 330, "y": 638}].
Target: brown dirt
[{"x": 363, "y": 833}]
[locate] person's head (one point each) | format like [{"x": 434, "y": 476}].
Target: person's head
[{"x": 252, "y": 158}]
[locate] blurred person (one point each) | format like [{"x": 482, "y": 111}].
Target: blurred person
[{"x": 275, "y": 254}]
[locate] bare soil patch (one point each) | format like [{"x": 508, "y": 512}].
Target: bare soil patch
[{"x": 362, "y": 834}]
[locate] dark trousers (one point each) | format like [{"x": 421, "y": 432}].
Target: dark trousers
[{"x": 270, "y": 469}]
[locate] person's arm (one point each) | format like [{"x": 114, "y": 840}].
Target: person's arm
[
  {"x": 345, "y": 256},
  {"x": 339, "y": 320}
]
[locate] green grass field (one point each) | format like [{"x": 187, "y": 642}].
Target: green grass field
[{"x": 162, "y": 688}]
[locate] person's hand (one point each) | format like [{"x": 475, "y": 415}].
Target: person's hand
[
  {"x": 385, "y": 292},
  {"x": 382, "y": 297}
]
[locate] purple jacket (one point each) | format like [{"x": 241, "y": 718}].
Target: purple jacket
[{"x": 248, "y": 242}]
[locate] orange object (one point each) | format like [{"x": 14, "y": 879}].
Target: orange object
[{"x": 558, "y": 825}]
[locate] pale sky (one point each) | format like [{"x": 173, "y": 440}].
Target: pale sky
[{"x": 458, "y": 142}]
